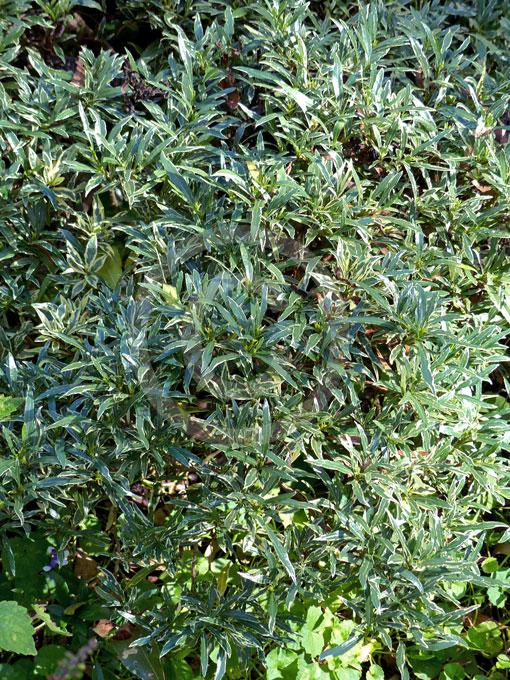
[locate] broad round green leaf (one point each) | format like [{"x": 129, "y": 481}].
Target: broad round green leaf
[{"x": 16, "y": 630}]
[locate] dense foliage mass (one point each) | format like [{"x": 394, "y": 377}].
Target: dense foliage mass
[{"x": 255, "y": 306}]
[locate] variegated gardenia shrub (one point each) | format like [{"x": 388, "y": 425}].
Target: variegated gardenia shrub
[{"x": 255, "y": 306}]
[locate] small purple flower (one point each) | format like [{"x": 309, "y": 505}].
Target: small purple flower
[{"x": 54, "y": 559}]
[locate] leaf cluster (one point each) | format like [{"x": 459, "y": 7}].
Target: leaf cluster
[{"x": 255, "y": 309}]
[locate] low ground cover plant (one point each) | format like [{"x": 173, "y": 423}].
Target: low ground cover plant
[{"x": 255, "y": 305}]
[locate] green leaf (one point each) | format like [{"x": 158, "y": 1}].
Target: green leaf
[
  {"x": 496, "y": 597},
  {"x": 401, "y": 661},
  {"x": 312, "y": 639},
  {"x": 178, "y": 181},
  {"x": 141, "y": 661},
  {"x": 503, "y": 661},
  {"x": 50, "y": 625},
  {"x": 179, "y": 669},
  {"x": 278, "y": 368},
  {"x": 452, "y": 671},
  {"x": 23, "y": 669},
  {"x": 301, "y": 99},
  {"x": 425, "y": 368},
  {"x": 337, "y": 77},
  {"x": 343, "y": 648},
  {"x": 375, "y": 672},
  {"x": 91, "y": 252},
  {"x": 281, "y": 552},
  {"x": 46, "y": 661},
  {"x": 9, "y": 405},
  {"x": 8, "y": 556},
  {"x": 485, "y": 638},
  {"x": 283, "y": 664},
  {"x": 29, "y": 555},
  {"x": 490, "y": 565},
  {"x": 6, "y": 465},
  {"x": 255, "y": 219},
  {"x": 111, "y": 270},
  {"x": 16, "y": 630},
  {"x": 348, "y": 674},
  {"x": 204, "y": 656},
  {"x": 313, "y": 671},
  {"x": 502, "y": 576},
  {"x": 221, "y": 665}
]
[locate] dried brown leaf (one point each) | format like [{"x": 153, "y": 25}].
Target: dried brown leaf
[
  {"x": 103, "y": 628},
  {"x": 79, "y": 74},
  {"x": 481, "y": 187},
  {"x": 84, "y": 566}
]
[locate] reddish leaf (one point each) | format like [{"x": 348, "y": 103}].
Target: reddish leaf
[
  {"x": 481, "y": 187},
  {"x": 103, "y": 628},
  {"x": 232, "y": 99},
  {"x": 123, "y": 633},
  {"x": 79, "y": 74}
]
